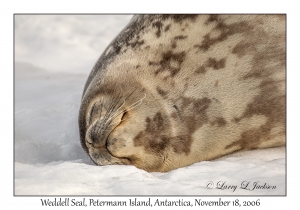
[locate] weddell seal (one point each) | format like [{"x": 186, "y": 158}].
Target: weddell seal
[{"x": 172, "y": 90}]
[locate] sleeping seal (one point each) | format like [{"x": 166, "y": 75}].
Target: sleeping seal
[{"x": 172, "y": 90}]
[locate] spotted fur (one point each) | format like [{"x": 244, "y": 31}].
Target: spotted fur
[{"x": 172, "y": 90}]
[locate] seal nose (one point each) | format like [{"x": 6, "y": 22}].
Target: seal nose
[{"x": 96, "y": 135}]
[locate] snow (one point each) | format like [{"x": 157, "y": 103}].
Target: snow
[{"x": 54, "y": 55}]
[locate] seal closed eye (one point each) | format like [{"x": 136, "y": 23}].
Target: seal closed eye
[{"x": 173, "y": 90}]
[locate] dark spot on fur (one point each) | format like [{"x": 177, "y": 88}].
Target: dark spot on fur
[
  {"x": 200, "y": 70},
  {"x": 225, "y": 29},
  {"x": 137, "y": 44},
  {"x": 181, "y": 144},
  {"x": 180, "y": 18},
  {"x": 151, "y": 63},
  {"x": 200, "y": 106},
  {"x": 174, "y": 115},
  {"x": 194, "y": 112},
  {"x": 236, "y": 120},
  {"x": 212, "y": 18},
  {"x": 154, "y": 138},
  {"x": 161, "y": 92},
  {"x": 217, "y": 83},
  {"x": 176, "y": 38},
  {"x": 167, "y": 62},
  {"x": 248, "y": 139},
  {"x": 212, "y": 62},
  {"x": 157, "y": 135},
  {"x": 167, "y": 27},
  {"x": 174, "y": 45},
  {"x": 241, "y": 49},
  {"x": 180, "y": 37},
  {"x": 157, "y": 124},
  {"x": 137, "y": 66},
  {"x": 159, "y": 26},
  {"x": 220, "y": 122}
]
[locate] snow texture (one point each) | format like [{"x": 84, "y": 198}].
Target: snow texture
[{"x": 54, "y": 55}]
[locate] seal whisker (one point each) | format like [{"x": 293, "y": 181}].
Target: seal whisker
[
  {"x": 135, "y": 104},
  {"x": 116, "y": 112},
  {"x": 118, "y": 109},
  {"x": 130, "y": 94},
  {"x": 99, "y": 125},
  {"x": 112, "y": 108},
  {"x": 107, "y": 119}
]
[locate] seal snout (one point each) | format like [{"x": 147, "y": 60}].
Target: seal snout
[
  {"x": 96, "y": 142},
  {"x": 97, "y": 134}
]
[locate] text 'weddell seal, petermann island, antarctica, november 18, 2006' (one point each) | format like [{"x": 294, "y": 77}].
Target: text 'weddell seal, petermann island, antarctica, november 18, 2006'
[{"x": 173, "y": 90}]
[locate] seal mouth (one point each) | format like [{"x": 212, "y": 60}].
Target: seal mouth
[{"x": 102, "y": 157}]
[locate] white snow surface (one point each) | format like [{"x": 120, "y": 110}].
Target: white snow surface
[{"x": 53, "y": 57}]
